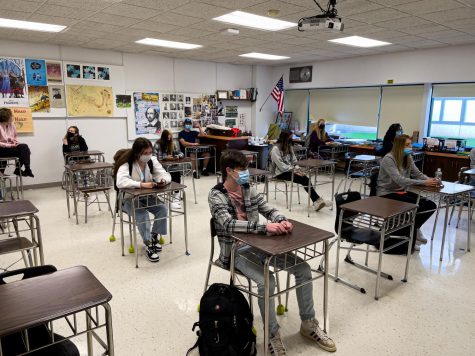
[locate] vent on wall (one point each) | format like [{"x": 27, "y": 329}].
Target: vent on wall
[{"x": 300, "y": 74}]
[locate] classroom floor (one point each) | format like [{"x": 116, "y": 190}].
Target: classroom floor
[{"x": 155, "y": 306}]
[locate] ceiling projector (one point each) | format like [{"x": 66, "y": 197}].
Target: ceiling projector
[{"x": 327, "y": 20}]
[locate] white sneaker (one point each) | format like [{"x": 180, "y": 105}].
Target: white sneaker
[
  {"x": 420, "y": 237},
  {"x": 276, "y": 346},
  {"x": 176, "y": 205},
  {"x": 319, "y": 204},
  {"x": 417, "y": 248},
  {"x": 311, "y": 330}
]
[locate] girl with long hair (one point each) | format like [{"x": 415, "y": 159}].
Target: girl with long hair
[
  {"x": 73, "y": 141},
  {"x": 132, "y": 170},
  {"x": 319, "y": 137},
  {"x": 283, "y": 162},
  {"x": 393, "y": 131}
]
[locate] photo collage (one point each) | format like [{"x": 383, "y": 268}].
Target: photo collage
[
  {"x": 175, "y": 108},
  {"x": 92, "y": 72}
]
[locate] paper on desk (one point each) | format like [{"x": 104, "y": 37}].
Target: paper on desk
[
  {"x": 432, "y": 142},
  {"x": 451, "y": 143}
]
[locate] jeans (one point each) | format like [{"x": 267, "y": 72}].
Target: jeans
[
  {"x": 143, "y": 219},
  {"x": 302, "y": 180},
  {"x": 250, "y": 262}
]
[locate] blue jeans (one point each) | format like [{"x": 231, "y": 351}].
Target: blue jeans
[
  {"x": 251, "y": 263},
  {"x": 143, "y": 219}
]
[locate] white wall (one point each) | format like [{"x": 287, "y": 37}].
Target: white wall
[
  {"x": 142, "y": 72},
  {"x": 264, "y": 80}
]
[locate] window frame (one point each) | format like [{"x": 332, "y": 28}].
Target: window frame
[{"x": 442, "y": 108}]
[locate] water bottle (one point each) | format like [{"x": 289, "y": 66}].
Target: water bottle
[{"x": 438, "y": 174}]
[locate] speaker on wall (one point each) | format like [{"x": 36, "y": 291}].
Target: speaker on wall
[{"x": 300, "y": 74}]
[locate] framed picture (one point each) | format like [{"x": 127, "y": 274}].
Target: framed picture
[
  {"x": 222, "y": 94},
  {"x": 284, "y": 120}
]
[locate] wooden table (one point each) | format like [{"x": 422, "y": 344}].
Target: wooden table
[
  {"x": 452, "y": 194},
  {"x": 137, "y": 196},
  {"x": 390, "y": 215},
  {"x": 224, "y": 143},
  {"x": 44, "y": 299},
  {"x": 303, "y": 239},
  {"x": 311, "y": 166},
  {"x": 183, "y": 165}
]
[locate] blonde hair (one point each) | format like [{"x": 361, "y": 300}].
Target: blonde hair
[
  {"x": 321, "y": 134},
  {"x": 402, "y": 161}
]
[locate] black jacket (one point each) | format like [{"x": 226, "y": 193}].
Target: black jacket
[{"x": 71, "y": 147}]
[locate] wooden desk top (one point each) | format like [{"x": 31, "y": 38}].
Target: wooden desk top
[
  {"x": 449, "y": 188},
  {"x": 470, "y": 172},
  {"x": 137, "y": 192},
  {"x": 301, "y": 236},
  {"x": 378, "y": 206},
  {"x": 446, "y": 155},
  {"x": 258, "y": 172},
  {"x": 365, "y": 147},
  {"x": 84, "y": 153},
  {"x": 17, "y": 208},
  {"x": 244, "y": 152},
  {"x": 35, "y": 301},
  {"x": 315, "y": 163},
  {"x": 88, "y": 166},
  {"x": 225, "y": 138}
]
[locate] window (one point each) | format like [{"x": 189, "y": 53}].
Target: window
[{"x": 470, "y": 111}]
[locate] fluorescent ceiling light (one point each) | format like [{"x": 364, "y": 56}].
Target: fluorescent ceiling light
[
  {"x": 358, "y": 41},
  {"x": 31, "y": 26},
  {"x": 255, "y": 21},
  {"x": 270, "y": 57},
  {"x": 164, "y": 43}
]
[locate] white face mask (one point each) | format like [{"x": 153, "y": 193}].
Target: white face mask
[{"x": 145, "y": 158}]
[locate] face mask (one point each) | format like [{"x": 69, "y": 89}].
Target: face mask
[
  {"x": 188, "y": 127},
  {"x": 70, "y": 134},
  {"x": 407, "y": 151},
  {"x": 145, "y": 158},
  {"x": 321, "y": 127},
  {"x": 399, "y": 133},
  {"x": 243, "y": 177}
]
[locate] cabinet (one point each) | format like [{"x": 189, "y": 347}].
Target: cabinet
[{"x": 450, "y": 164}]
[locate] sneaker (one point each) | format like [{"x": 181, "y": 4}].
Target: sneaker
[
  {"x": 311, "y": 330},
  {"x": 152, "y": 253},
  {"x": 155, "y": 243},
  {"x": 175, "y": 205},
  {"x": 417, "y": 248},
  {"x": 28, "y": 173},
  {"x": 319, "y": 204},
  {"x": 276, "y": 346},
  {"x": 17, "y": 172},
  {"x": 195, "y": 175},
  {"x": 420, "y": 237},
  {"x": 205, "y": 173}
]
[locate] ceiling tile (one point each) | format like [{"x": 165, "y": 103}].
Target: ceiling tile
[
  {"x": 283, "y": 7},
  {"x": 161, "y": 5},
  {"x": 135, "y": 12},
  {"x": 52, "y": 19},
  {"x": 18, "y": 5},
  {"x": 155, "y": 26},
  {"x": 202, "y": 10},
  {"x": 353, "y": 7},
  {"x": 176, "y": 19},
  {"x": 380, "y": 15},
  {"x": 442, "y": 17},
  {"x": 234, "y": 4},
  {"x": 113, "y": 19},
  {"x": 91, "y": 5},
  {"x": 14, "y": 15},
  {"x": 392, "y": 2},
  {"x": 63, "y": 11},
  {"x": 402, "y": 23},
  {"x": 428, "y": 6},
  {"x": 96, "y": 26}
]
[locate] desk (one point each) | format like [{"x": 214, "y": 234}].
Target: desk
[
  {"x": 224, "y": 143},
  {"x": 311, "y": 166},
  {"x": 302, "y": 242},
  {"x": 250, "y": 155},
  {"x": 184, "y": 166},
  {"x": 451, "y": 193},
  {"x": 366, "y": 162},
  {"x": 470, "y": 172},
  {"x": 256, "y": 173},
  {"x": 45, "y": 299},
  {"x": 196, "y": 150},
  {"x": 87, "y": 178},
  {"x": 449, "y": 163},
  {"x": 333, "y": 151},
  {"x": 93, "y": 155},
  {"x": 383, "y": 215},
  {"x": 165, "y": 193},
  {"x": 12, "y": 163}
]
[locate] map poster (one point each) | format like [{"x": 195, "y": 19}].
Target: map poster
[
  {"x": 35, "y": 71},
  {"x": 89, "y": 101},
  {"x": 56, "y": 96},
  {"x": 54, "y": 72},
  {"x": 13, "y": 90},
  {"x": 38, "y": 97},
  {"x": 147, "y": 113},
  {"x": 22, "y": 119}
]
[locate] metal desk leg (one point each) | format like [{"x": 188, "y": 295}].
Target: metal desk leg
[
  {"x": 90, "y": 347},
  {"x": 308, "y": 191},
  {"x": 469, "y": 219},
  {"x": 380, "y": 261},
  {"x": 170, "y": 215},
  {"x": 266, "y": 303},
  {"x": 409, "y": 250},
  {"x": 185, "y": 222},
  {"x": 193, "y": 182},
  {"x": 110, "y": 337},
  {"x": 134, "y": 228},
  {"x": 266, "y": 182},
  {"x": 333, "y": 186},
  {"x": 325, "y": 288},
  {"x": 39, "y": 238},
  {"x": 445, "y": 228},
  {"x": 291, "y": 189},
  {"x": 436, "y": 216}
]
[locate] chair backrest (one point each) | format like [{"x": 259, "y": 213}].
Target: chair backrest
[
  {"x": 463, "y": 178},
  {"x": 373, "y": 181},
  {"x": 212, "y": 227},
  {"x": 29, "y": 272},
  {"x": 343, "y": 198}
]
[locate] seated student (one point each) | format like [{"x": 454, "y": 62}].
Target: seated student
[
  {"x": 134, "y": 170},
  {"x": 283, "y": 161},
  {"x": 319, "y": 137},
  {"x": 393, "y": 131},
  {"x": 10, "y": 146},
  {"x": 73, "y": 141},
  {"x": 396, "y": 173},
  {"x": 236, "y": 206},
  {"x": 165, "y": 149},
  {"x": 187, "y": 137},
  {"x": 472, "y": 158}
]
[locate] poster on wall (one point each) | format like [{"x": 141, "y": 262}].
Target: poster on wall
[
  {"x": 35, "y": 71},
  {"x": 38, "y": 98},
  {"x": 73, "y": 71},
  {"x": 231, "y": 111},
  {"x": 103, "y": 73},
  {"x": 147, "y": 113},
  {"x": 23, "y": 120},
  {"x": 88, "y": 72},
  {"x": 13, "y": 91},
  {"x": 54, "y": 72},
  {"x": 89, "y": 101},
  {"x": 56, "y": 96},
  {"x": 123, "y": 101}
]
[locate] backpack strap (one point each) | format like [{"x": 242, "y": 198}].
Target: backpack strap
[
  {"x": 149, "y": 163},
  {"x": 197, "y": 324}
]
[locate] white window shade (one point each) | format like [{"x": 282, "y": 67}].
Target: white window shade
[
  {"x": 296, "y": 101},
  {"x": 355, "y": 106},
  {"x": 454, "y": 90},
  {"x": 403, "y": 105}
]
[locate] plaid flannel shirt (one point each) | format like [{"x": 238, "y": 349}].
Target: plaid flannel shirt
[{"x": 226, "y": 221}]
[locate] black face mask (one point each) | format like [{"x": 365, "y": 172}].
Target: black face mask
[
  {"x": 321, "y": 127},
  {"x": 70, "y": 134}
]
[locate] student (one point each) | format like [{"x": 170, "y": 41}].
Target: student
[
  {"x": 397, "y": 172},
  {"x": 187, "y": 137},
  {"x": 165, "y": 149},
  {"x": 283, "y": 161},
  {"x": 73, "y": 141},
  {"x": 319, "y": 137},
  {"x": 393, "y": 131},
  {"x": 472, "y": 158},
  {"x": 235, "y": 207},
  {"x": 10, "y": 146},
  {"x": 132, "y": 170}
]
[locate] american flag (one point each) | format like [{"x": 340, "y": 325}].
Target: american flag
[{"x": 278, "y": 95}]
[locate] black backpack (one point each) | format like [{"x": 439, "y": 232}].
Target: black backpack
[{"x": 225, "y": 323}]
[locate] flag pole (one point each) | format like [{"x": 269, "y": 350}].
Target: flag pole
[{"x": 268, "y": 96}]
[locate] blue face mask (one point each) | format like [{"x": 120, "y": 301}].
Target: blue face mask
[
  {"x": 399, "y": 133},
  {"x": 188, "y": 127},
  {"x": 243, "y": 177},
  {"x": 407, "y": 151}
]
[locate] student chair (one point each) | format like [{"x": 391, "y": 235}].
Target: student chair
[
  {"x": 38, "y": 336},
  {"x": 356, "y": 171},
  {"x": 462, "y": 179},
  {"x": 285, "y": 190},
  {"x": 6, "y": 179}
]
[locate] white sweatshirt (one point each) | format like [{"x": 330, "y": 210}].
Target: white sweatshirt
[{"x": 124, "y": 180}]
